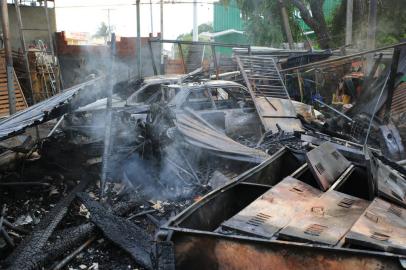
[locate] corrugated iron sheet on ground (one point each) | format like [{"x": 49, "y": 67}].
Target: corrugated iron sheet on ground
[{"x": 40, "y": 112}]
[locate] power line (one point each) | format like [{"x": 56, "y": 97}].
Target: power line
[{"x": 133, "y": 4}]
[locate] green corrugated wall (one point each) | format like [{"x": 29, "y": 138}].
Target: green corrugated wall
[{"x": 228, "y": 17}]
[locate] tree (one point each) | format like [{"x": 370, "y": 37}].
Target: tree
[
  {"x": 103, "y": 31},
  {"x": 315, "y": 19},
  {"x": 204, "y": 27},
  {"x": 391, "y": 22},
  {"x": 264, "y": 21}
]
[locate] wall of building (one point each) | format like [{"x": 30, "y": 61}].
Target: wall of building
[
  {"x": 32, "y": 17},
  {"x": 80, "y": 61},
  {"x": 228, "y": 17}
]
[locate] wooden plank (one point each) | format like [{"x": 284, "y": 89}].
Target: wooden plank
[{"x": 325, "y": 220}]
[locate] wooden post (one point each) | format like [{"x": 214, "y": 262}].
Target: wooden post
[
  {"x": 182, "y": 57},
  {"x": 213, "y": 51},
  {"x": 152, "y": 57},
  {"x": 286, "y": 25},
  {"x": 371, "y": 32},
  {"x": 138, "y": 40},
  {"x": 161, "y": 7},
  {"x": 372, "y": 24},
  {"x": 348, "y": 25},
  {"x": 9, "y": 57}
]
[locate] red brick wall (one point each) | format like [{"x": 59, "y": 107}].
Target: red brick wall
[{"x": 126, "y": 47}]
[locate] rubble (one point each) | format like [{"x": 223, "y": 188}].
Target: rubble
[{"x": 205, "y": 174}]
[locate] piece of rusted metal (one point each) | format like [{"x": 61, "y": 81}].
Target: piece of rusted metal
[
  {"x": 273, "y": 210},
  {"x": 194, "y": 250},
  {"x": 388, "y": 183},
  {"x": 326, "y": 219},
  {"x": 324, "y": 222},
  {"x": 326, "y": 164},
  {"x": 382, "y": 226}
]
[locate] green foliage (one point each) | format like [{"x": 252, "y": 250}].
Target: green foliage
[
  {"x": 204, "y": 27},
  {"x": 102, "y": 31},
  {"x": 391, "y": 23},
  {"x": 264, "y": 24}
]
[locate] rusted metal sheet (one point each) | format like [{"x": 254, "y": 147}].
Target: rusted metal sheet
[
  {"x": 326, "y": 164},
  {"x": 326, "y": 219},
  {"x": 382, "y": 226},
  {"x": 277, "y": 113},
  {"x": 202, "y": 251},
  {"x": 389, "y": 183},
  {"x": 399, "y": 99},
  {"x": 273, "y": 210}
]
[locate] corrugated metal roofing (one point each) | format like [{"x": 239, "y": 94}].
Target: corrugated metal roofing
[{"x": 40, "y": 112}]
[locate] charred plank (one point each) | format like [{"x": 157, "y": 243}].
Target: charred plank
[
  {"x": 122, "y": 232},
  {"x": 22, "y": 256}
]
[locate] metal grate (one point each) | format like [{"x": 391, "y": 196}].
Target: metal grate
[
  {"x": 395, "y": 210},
  {"x": 258, "y": 219},
  {"x": 371, "y": 216},
  {"x": 297, "y": 190},
  {"x": 262, "y": 76},
  {"x": 315, "y": 229},
  {"x": 336, "y": 155},
  {"x": 346, "y": 202},
  {"x": 319, "y": 167},
  {"x": 380, "y": 236}
]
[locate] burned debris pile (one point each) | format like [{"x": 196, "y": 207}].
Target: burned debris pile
[{"x": 264, "y": 170}]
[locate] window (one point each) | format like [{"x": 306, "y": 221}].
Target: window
[{"x": 198, "y": 99}]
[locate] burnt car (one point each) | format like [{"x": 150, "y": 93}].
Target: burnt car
[{"x": 225, "y": 104}]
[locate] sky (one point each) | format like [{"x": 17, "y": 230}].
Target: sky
[{"x": 87, "y": 15}]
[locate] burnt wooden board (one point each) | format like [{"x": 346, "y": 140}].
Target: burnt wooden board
[
  {"x": 326, "y": 164},
  {"x": 390, "y": 184},
  {"x": 382, "y": 226},
  {"x": 326, "y": 219},
  {"x": 274, "y": 209}
]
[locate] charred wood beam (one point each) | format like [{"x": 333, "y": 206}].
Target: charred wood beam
[
  {"x": 72, "y": 237},
  {"x": 22, "y": 256},
  {"x": 71, "y": 256},
  {"x": 122, "y": 232}
]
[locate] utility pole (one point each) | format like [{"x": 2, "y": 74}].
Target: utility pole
[
  {"x": 108, "y": 21},
  {"x": 286, "y": 25},
  {"x": 195, "y": 27},
  {"x": 348, "y": 25},
  {"x": 161, "y": 6},
  {"x": 152, "y": 21},
  {"x": 9, "y": 57},
  {"x": 138, "y": 41}
]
